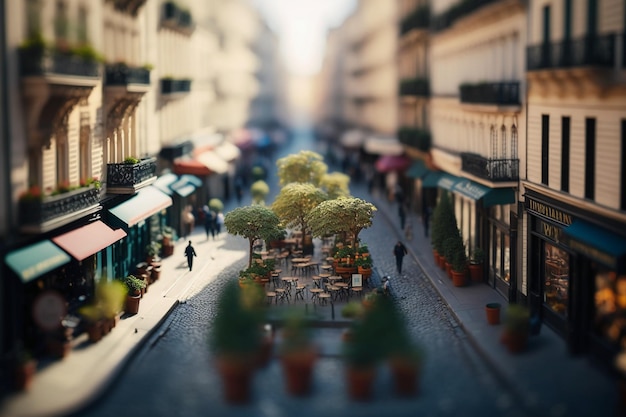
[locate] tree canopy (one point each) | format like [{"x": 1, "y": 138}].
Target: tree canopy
[
  {"x": 259, "y": 190},
  {"x": 335, "y": 184},
  {"x": 254, "y": 222},
  {"x": 303, "y": 167},
  {"x": 294, "y": 202},
  {"x": 347, "y": 215}
]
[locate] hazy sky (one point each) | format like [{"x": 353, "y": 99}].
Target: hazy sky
[{"x": 301, "y": 25}]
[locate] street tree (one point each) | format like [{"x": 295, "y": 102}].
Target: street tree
[
  {"x": 259, "y": 190},
  {"x": 343, "y": 215},
  {"x": 294, "y": 202},
  {"x": 254, "y": 222},
  {"x": 303, "y": 167},
  {"x": 335, "y": 184}
]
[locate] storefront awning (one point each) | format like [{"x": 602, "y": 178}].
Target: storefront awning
[
  {"x": 190, "y": 166},
  {"x": 142, "y": 205},
  {"x": 182, "y": 185},
  {"x": 431, "y": 179},
  {"x": 87, "y": 240},
  {"x": 387, "y": 163},
  {"x": 212, "y": 161},
  {"x": 164, "y": 182},
  {"x": 227, "y": 151},
  {"x": 35, "y": 260},
  {"x": 596, "y": 242},
  {"x": 490, "y": 196},
  {"x": 417, "y": 170},
  {"x": 383, "y": 146}
]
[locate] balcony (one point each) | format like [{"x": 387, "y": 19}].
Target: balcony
[
  {"x": 494, "y": 170},
  {"x": 458, "y": 11},
  {"x": 174, "y": 87},
  {"x": 414, "y": 87},
  {"x": 176, "y": 18},
  {"x": 123, "y": 75},
  {"x": 418, "y": 19},
  {"x": 124, "y": 178},
  {"x": 503, "y": 94},
  {"x": 590, "y": 51},
  {"x": 415, "y": 138},
  {"x": 128, "y": 6},
  {"x": 39, "y": 215}
]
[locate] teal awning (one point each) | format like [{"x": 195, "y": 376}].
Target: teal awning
[
  {"x": 595, "y": 242},
  {"x": 431, "y": 179},
  {"x": 145, "y": 203},
  {"x": 182, "y": 185},
  {"x": 164, "y": 182},
  {"x": 490, "y": 196},
  {"x": 447, "y": 181},
  {"x": 192, "y": 179},
  {"x": 417, "y": 170},
  {"x": 35, "y": 260}
]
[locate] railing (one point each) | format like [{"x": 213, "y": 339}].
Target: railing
[
  {"x": 415, "y": 138},
  {"x": 491, "y": 93},
  {"x": 129, "y": 175},
  {"x": 130, "y": 6},
  {"x": 458, "y": 11},
  {"x": 40, "y": 62},
  {"x": 414, "y": 87},
  {"x": 597, "y": 51},
  {"x": 418, "y": 19},
  {"x": 490, "y": 169},
  {"x": 38, "y": 211},
  {"x": 171, "y": 86},
  {"x": 177, "y": 18},
  {"x": 119, "y": 74}
]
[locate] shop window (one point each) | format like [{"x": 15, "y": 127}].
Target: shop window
[
  {"x": 556, "y": 282},
  {"x": 610, "y": 306}
]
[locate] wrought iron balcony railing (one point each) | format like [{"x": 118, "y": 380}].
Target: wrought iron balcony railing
[
  {"x": 36, "y": 61},
  {"x": 35, "y": 211},
  {"x": 596, "y": 51},
  {"x": 120, "y": 74},
  {"x": 172, "y": 86},
  {"x": 122, "y": 175},
  {"x": 495, "y": 170},
  {"x": 458, "y": 11},
  {"x": 415, "y": 87},
  {"x": 415, "y": 138},
  {"x": 506, "y": 93},
  {"x": 418, "y": 19},
  {"x": 129, "y": 6},
  {"x": 177, "y": 18}
]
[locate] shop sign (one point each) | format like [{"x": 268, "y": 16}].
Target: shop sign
[{"x": 548, "y": 212}]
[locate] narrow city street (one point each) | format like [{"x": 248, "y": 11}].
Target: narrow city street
[{"x": 174, "y": 373}]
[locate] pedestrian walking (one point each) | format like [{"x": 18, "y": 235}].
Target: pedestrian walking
[
  {"x": 219, "y": 222},
  {"x": 399, "y": 251},
  {"x": 426, "y": 220},
  {"x": 190, "y": 253},
  {"x": 402, "y": 214}
]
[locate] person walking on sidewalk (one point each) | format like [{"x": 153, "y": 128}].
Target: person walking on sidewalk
[
  {"x": 190, "y": 253},
  {"x": 399, "y": 251},
  {"x": 402, "y": 214}
]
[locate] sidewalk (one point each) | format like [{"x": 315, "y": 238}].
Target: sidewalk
[{"x": 546, "y": 378}]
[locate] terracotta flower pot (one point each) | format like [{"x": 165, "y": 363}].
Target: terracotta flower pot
[
  {"x": 25, "y": 374},
  {"x": 360, "y": 382},
  {"x": 515, "y": 341},
  {"x": 298, "y": 371},
  {"x": 132, "y": 304},
  {"x": 405, "y": 377},
  {"x": 236, "y": 376},
  {"x": 458, "y": 278},
  {"x": 476, "y": 272},
  {"x": 493, "y": 313}
]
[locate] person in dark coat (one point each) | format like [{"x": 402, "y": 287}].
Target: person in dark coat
[
  {"x": 402, "y": 214},
  {"x": 190, "y": 253},
  {"x": 399, "y": 251}
]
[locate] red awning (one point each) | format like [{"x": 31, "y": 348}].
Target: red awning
[
  {"x": 190, "y": 166},
  {"x": 87, "y": 240},
  {"x": 388, "y": 163}
]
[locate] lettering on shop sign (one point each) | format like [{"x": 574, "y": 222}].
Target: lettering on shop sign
[
  {"x": 548, "y": 212},
  {"x": 551, "y": 231}
]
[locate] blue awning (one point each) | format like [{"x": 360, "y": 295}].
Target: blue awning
[
  {"x": 145, "y": 203},
  {"x": 417, "y": 170},
  {"x": 182, "y": 185},
  {"x": 431, "y": 179},
  {"x": 164, "y": 182},
  {"x": 447, "y": 181},
  {"x": 35, "y": 260},
  {"x": 499, "y": 196},
  {"x": 596, "y": 242}
]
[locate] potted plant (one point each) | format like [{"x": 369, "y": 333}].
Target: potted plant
[
  {"x": 516, "y": 328},
  {"x": 476, "y": 264},
  {"x": 259, "y": 190},
  {"x": 152, "y": 251},
  {"x": 134, "y": 286},
  {"x": 364, "y": 266},
  {"x": 298, "y": 354},
  {"x": 235, "y": 339},
  {"x": 25, "y": 370},
  {"x": 363, "y": 250},
  {"x": 459, "y": 262}
]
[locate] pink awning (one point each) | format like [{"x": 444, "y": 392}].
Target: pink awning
[
  {"x": 388, "y": 163},
  {"x": 87, "y": 240}
]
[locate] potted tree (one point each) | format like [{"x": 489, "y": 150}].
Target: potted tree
[
  {"x": 235, "y": 339},
  {"x": 516, "y": 328},
  {"x": 476, "y": 264},
  {"x": 298, "y": 354},
  {"x": 134, "y": 286},
  {"x": 152, "y": 251},
  {"x": 258, "y": 191},
  {"x": 458, "y": 261}
]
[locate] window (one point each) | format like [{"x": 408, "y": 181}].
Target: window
[
  {"x": 592, "y": 17},
  {"x": 567, "y": 27},
  {"x": 556, "y": 282},
  {"x": 623, "y": 165},
  {"x": 61, "y": 23},
  {"x": 545, "y": 142},
  {"x": 565, "y": 124},
  {"x": 546, "y": 25},
  {"x": 33, "y": 18},
  {"x": 610, "y": 305},
  {"x": 82, "y": 25},
  {"x": 590, "y": 157}
]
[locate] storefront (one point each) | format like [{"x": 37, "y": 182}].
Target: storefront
[{"x": 577, "y": 275}]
